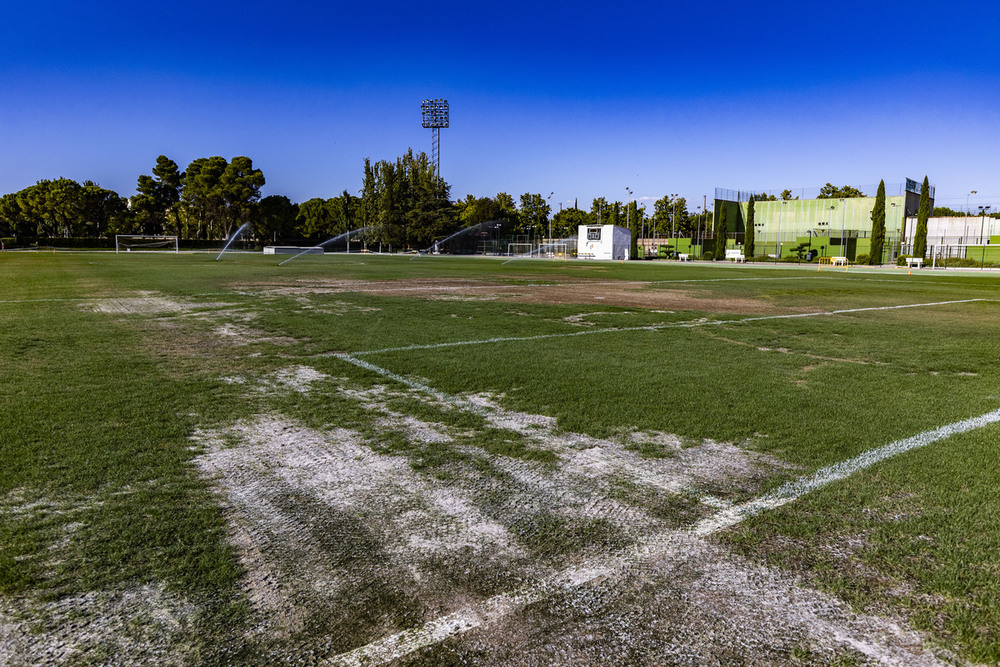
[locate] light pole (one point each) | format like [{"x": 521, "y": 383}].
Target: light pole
[
  {"x": 628, "y": 212},
  {"x": 698, "y": 233},
  {"x": 549, "y": 204},
  {"x": 982, "y": 232},
  {"x": 967, "y": 211},
  {"x": 832, "y": 209},
  {"x": 673, "y": 218}
]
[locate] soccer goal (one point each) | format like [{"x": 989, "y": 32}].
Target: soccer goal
[
  {"x": 130, "y": 242},
  {"x": 519, "y": 249}
]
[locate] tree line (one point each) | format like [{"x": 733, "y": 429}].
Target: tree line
[
  {"x": 207, "y": 201},
  {"x": 401, "y": 203}
]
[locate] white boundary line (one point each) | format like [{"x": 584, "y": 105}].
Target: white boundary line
[
  {"x": 497, "y": 607},
  {"x": 656, "y": 327}
]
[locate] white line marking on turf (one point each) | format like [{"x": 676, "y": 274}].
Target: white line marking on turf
[
  {"x": 495, "y": 608},
  {"x": 656, "y": 327},
  {"x": 412, "y": 384},
  {"x": 383, "y": 287}
]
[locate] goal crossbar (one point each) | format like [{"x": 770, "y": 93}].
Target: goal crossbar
[{"x": 145, "y": 242}]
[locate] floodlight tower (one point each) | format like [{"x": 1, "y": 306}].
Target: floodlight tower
[{"x": 435, "y": 116}]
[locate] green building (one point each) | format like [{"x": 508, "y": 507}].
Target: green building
[{"x": 820, "y": 227}]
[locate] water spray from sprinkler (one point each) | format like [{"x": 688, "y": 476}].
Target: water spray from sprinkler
[
  {"x": 437, "y": 244},
  {"x": 236, "y": 235},
  {"x": 346, "y": 235}
]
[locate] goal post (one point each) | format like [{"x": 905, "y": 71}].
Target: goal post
[{"x": 130, "y": 242}]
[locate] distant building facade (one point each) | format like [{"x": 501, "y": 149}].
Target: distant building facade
[{"x": 837, "y": 227}]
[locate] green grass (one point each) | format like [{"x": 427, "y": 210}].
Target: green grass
[
  {"x": 916, "y": 534},
  {"x": 98, "y": 490}
]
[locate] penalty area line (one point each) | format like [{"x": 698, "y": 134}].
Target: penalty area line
[
  {"x": 655, "y": 327},
  {"x": 663, "y": 545},
  {"x": 672, "y": 543}
]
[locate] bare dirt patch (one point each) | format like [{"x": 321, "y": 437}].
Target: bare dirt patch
[
  {"x": 140, "y": 626},
  {"x": 331, "y": 532},
  {"x": 494, "y": 559},
  {"x": 697, "y": 604},
  {"x": 637, "y": 294}
]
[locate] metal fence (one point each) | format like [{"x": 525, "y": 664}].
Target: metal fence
[{"x": 891, "y": 190}]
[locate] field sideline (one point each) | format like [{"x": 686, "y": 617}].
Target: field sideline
[{"x": 363, "y": 459}]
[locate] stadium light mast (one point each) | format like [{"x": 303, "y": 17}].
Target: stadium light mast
[{"x": 434, "y": 114}]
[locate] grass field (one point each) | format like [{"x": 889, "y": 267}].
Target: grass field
[{"x": 365, "y": 459}]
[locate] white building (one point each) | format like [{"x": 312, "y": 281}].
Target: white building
[
  {"x": 949, "y": 236},
  {"x": 603, "y": 242}
]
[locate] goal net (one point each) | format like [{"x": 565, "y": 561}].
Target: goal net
[
  {"x": 130, "y": 242},
  {"x": 519, "y": 249}
]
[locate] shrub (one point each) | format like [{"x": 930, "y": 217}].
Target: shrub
[
  {"x": 863, "y": 258},
  {"x": 901, "y": 260}
]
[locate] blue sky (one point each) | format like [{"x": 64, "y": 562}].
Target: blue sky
[{"x": 581, "y": 99}]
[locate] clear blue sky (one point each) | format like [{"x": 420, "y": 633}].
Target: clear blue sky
[{"x": 582, "y": 99}]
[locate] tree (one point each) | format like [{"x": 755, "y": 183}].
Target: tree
[
  {"x": 477, "y": 210},
  {"x": 507, "y": 205},
  {"x": 634, "y": 217},
  {"x": 202, "y": 195},
  {"x": 878, "y": 226},
  {"x": 831, "y": 191},
  {"x": 920, "y": 236},
  {"x": 53, "y": 206},
  {"x": 13, "y": 222},
  {"x": 748, "y": 236},
  {"x": 157, "y": 198},
  {"x": 276, "y": 219},
  {"x": 567, "y": 222},
  {"x": 404, "y": 202},
  {"x": 102, "y": 212},
  {"x": 721, "y": 233},
  {"x": 240, "y": 185},
  {"x": 670, "y": 216},
  {"x": 786, "y": 195},
  {"x": 314, "y": 219},
  {"x": 945, "y": 212},
  {"x": 534, "y": 216}
]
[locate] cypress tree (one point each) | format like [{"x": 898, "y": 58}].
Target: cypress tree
[
  {"x": 720, "y": 233},
  {"x": 748, "y": 236},
  {"x": 920, "y": 236},
  {"x": 878, "y": 226}
]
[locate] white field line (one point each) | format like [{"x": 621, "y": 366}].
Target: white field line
[
  {"x": 380, "y": 286},
  {"x": 347, "y": 287},
  {"x": 655, "y": 327},
  {"x": 412, "y": 384},
  {"x": 495, "y": 608},
  {"x": 103, "y": 298}
]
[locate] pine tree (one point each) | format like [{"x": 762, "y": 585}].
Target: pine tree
[
  {"x": 878, "y": 226},
  {"x": 748, "y": 237},
  {"x": 924, "y": 212}
]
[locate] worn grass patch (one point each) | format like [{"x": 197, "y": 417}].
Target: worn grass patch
[
  {"x": 357, "y": 506},
  {"x": 912, "y": 536}
]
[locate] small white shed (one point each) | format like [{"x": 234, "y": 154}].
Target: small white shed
[{"x": 603, "y": 242}]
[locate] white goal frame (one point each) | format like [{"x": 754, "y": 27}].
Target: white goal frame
[{"x": 146, "y": 241}]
